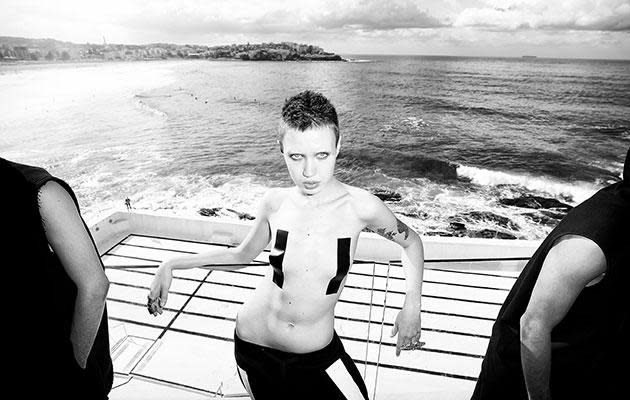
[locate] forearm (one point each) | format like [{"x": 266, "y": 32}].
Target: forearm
[
  {"x": 88, "y": 312},
  {"x": 413, "y": 266},
  {"x": 223, "y": 258},
  {"x": 536, "y": 359}
]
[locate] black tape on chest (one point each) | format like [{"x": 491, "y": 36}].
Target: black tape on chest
[
  {"x": 277, "y": 256},
  {"x": 343, "y": 265}
]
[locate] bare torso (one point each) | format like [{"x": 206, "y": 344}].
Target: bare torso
[{"x": 298, "y": 317}]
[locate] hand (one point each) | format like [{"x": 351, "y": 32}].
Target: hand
[
  {"x": 158, "y": 293},
  {"x": 407, "y": 326}
]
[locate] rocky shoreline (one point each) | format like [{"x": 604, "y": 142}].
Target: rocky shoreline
[
  {"x": 541, "y": 210},
  {"x": 16, "y": 49}
]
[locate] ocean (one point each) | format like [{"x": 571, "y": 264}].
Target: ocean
[{"x": 448, "y": 141}]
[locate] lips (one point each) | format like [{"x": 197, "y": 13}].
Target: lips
[{"x": 310, "y": 185}]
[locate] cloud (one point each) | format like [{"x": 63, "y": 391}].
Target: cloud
[
  {"x": 541, "y": 27},
  {"x": 377, "y": 15},
  {"x": 510, "y": 15},
  {"x": 283, "y": 17}
]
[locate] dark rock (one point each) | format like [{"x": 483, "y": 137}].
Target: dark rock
[
  {"x": 438, "y": 233},
  {"x": 540, "y": 219},
  {"x": 214, "y": 212},
  {"x": 386, "y": 194},
  {"x": 241, "y": 215},
  {"x": 488, "y": 216},
  {"x": 209, "y": 212},
  {"x": 553, "y": 214},
  {"x": 545, "y": 217},
  {"x": 419, "y": 214},
  {"x": 491, "y": 234},
  {"x": 536, "y": 202},
  {"x": 457, "y": 226}
]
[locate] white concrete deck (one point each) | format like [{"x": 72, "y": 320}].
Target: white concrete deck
[{"x": 187, "y": 352}]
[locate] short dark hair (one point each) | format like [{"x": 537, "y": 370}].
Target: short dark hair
[{"x": 309, "y": 109}]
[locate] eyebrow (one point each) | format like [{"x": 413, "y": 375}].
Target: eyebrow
[{"x": 317, "y": 152}]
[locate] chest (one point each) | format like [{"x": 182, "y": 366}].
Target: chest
[
  {"x": 313, "y": 246},
  {"x": 316, "y": 227}
]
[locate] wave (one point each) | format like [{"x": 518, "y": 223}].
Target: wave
[
  {"x": 146, "y": 96},
  {"x": 619, "y": 130},
  {"x": 182, "y": 195},
  {"x": 577, "y": 192},
  {"x": 446, "y": 105},
  {"x": 400, "y": 163},
  {"x": 145, "y": 107}
]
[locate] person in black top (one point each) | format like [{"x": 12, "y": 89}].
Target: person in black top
[
  {"x": 562, "y": 332},
  {"x": 57, "y": 343}
]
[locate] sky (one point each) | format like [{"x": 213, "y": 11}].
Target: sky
[{"x": 497, "y": 28}]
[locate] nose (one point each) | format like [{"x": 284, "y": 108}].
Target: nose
[{"x": 310, "y": 169}]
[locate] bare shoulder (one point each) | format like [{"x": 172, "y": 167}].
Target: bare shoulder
[
  {"x": 54, "y": 197},
  {"x": 58, "y": 210},
  {"x": 574, "y": 251},
  {"x": 365, "y": 204},
  {"x": 574, "y": 260},
  {"x": 273, "y": 199}
]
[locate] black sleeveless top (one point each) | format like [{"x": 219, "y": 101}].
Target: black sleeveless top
[
  {"x": 591, "y": 340},
  {"x": 42, "y": 298}
]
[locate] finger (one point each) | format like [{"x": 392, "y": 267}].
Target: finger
[
  {"x": 157, "y": 306},
  {"x": 153, "y": 307},
  {"x": 394, "y": 329},
  {"x": 163, "y": 297},
  {"x": 399, "y": 345},
  {"x": 149, "y": 303}
]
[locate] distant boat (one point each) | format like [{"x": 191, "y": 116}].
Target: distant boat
[{"x": 529, "y": 57}]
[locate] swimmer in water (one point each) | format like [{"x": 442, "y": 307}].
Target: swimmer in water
[{"x": 314, "y": 227}]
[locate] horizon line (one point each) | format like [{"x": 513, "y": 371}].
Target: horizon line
[{"x": 524, "y": 56}]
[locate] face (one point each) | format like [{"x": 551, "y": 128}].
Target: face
[{"x": 310, "y": 157}]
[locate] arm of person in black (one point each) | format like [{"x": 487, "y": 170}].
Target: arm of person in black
[
  {"x": 70, "y": 240},
  {"x": 570, "y": 265}
]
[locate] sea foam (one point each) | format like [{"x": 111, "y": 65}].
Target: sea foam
[{"x": 577, "y": 191}]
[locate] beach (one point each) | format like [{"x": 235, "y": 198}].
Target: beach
[{"x": 448, "y": 142}]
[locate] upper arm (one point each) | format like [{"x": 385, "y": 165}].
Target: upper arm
[
  {"x": 381, "y": 220},
  {"x": 69, "y": 237},
  {"x": 570, "y": 265},
  {"x": 259, "y": 235}
]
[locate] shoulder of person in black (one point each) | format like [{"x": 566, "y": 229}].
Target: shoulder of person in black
[{"x": 42, "y": 295}]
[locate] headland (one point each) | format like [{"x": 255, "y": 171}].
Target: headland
[{"x": 16, "y": 49}]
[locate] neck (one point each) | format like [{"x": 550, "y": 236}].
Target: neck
[{"x": 331, "y": 192}]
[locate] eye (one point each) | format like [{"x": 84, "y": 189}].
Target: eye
[
  {"x": 296, "y": 157},
  {"x": 322, "y": 155}
]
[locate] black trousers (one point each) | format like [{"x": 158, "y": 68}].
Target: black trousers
[{"x": 328, "y": 373}]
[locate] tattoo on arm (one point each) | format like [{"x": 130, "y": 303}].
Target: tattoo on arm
[{"x": 401, "y": 228}]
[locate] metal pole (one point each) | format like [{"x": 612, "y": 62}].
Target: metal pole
[{"x": 380, "y": 340}]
